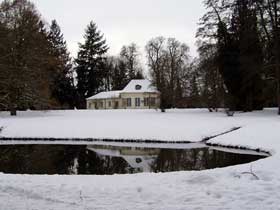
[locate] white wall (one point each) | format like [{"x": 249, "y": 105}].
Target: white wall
[{"x": 122, "y": 101}]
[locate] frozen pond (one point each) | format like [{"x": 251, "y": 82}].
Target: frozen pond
[{"x": 118, "y": 158}]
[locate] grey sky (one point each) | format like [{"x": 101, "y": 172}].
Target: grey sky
[{"x": 125, "y": 21}]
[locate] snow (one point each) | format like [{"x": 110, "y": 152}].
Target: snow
[
  {"x": 145, "y": 84},
  {"x": 175, "y": 125},
  {"x": 106, "y": 95},
  {"x": 222, "y": 188}
]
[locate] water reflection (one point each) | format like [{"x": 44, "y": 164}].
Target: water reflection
[{"x": 108, "y": 159}]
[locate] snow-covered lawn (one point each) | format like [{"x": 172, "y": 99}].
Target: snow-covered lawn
[
  {"x": 187, "y": 125},
  {"x": 226, "y": 188}
]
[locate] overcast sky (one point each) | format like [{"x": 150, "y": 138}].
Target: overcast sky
[{"x": 125, "y": 21}]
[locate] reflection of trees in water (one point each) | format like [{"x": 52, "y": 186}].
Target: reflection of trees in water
[
  {"x": 37, "y": 159},
  {"x": 92, "y": 163},
  {"x": 177, "y": 160},
  {"x": 57, "y": 159},
  {"x": 60, "y": 159},
  {"x": 197, "y": 159}
]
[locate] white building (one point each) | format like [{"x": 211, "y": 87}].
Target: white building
[{"x": 138, "y": 94}]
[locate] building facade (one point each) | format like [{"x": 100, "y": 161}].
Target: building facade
[{"x": 138, "y": 94}]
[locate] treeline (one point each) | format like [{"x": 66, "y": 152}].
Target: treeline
[
  {"x": 238, "y": 66},
  {"x": 37, "y": 71},
  {"x": 239, "y": 50},
  {"x": 35, "y": 66}
]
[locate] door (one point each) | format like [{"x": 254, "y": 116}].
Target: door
[{"x": 116, "y": 105}]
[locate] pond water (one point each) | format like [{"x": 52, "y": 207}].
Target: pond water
[{"x": 108, "y": 159}]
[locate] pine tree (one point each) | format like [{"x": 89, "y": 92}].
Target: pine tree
[
  {"x": 62, "y": 84},
  {"x": 90, "y": 63}
]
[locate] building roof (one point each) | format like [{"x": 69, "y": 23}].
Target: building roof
[
  {"x": 134, "y": 86},
  {"x": 105, "y": 95},
  {"x": 139, "y": 85}
]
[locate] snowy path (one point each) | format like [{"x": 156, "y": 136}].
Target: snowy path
[{"x": 225, "y": 188}]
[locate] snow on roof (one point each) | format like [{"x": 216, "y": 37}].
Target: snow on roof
[
  {"x": 134, "y": 86},
  {"x": 105, "y": 95},
  {"x": 139, "y": 85}
]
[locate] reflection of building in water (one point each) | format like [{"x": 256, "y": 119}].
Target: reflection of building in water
[{"x": 139, "y": 159}]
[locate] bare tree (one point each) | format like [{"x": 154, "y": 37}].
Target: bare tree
[
  {"x": 156, "y": 62},
  {"x": 168, "y": 60},
  {"x": 177, "y": 58},
  {"x": 130, "y": 56}
]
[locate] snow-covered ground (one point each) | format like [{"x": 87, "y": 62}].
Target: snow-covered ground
[
  {"x": 187, "y": 125},
  {"x": 226, "y": 188}
]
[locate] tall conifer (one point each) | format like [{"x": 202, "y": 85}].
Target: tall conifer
[
  {"x": 90, "y": 63},
  {"x": 62, "y": 83}
]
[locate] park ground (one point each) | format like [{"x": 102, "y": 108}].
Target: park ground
[{"x": 221, "y": 188}]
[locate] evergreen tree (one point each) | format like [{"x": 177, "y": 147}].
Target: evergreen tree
[
  {"x": 269, "y": 18},
  {"x": 25, "y": 70},
  {"x": 212, "y": 82},
  {"x": 62, "y": 79},
  {"x": 90, "y": 63},
  {"x": 234, "y": 25},
  {"x": 250, "y": 56},
  {"x": 228, "y": 64}
]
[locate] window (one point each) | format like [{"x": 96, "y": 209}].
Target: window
[
  {"x": 128, "y": 102},
  {"x": 146, "y": 102},
  {"x": 137, "y": 102},
  {"x": 101, "y": 104},
  {"x": 109, "y": 103},
  {"x": 138, "y": 87},
  {"x": 138, "y": 160},
  {"x": 152, "y": 101},
  {"x": 116, "y": 105}
]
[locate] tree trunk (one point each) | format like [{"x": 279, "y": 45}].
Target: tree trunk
[
  {"x": 277, "y": 48},
  {"x": 278, "y": 89},
  {"x": 278, "y": 103},
  {"x": 13, "y": 112},
  {"x": 12, "y": 108}
]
